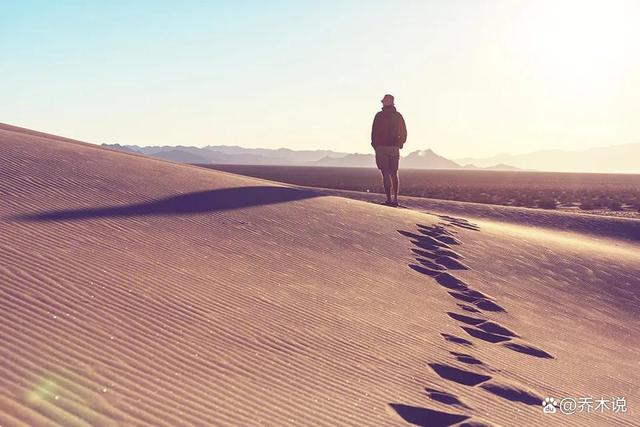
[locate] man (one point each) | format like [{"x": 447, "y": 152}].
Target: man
[{"x": 388, "y": 135}]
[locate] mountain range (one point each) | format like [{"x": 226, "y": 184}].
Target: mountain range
[
  {"x": 613, "y": 159},
  {"x": 224, "y": 154}
]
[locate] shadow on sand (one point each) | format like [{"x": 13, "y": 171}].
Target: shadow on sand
[
  {"x": 197, "y": 202},
  {"x": 427, "y": 417}
]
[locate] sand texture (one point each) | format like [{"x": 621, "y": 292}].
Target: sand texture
[{"x": 136, "y": 291}]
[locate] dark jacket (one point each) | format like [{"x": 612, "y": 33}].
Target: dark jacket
[{"x": 388, "y": 128}]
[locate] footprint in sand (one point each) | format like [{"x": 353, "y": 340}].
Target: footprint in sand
[
  {"x": 428, "y": 242},
  {"x": 496, "y": 328},
  {"x": 446, "y": 261},
  {"x": 427, "y": 417},
  {"x": 437, "y": 271},
  {"x": 493, "y": 332},
  {"x": 502, "y": 388},
  {"x": 457, "y": 340},
  {"x": 496, "y": 338},
  {"x": 474, "y": 423},
  {"x": 475, "y": 294},
  {"x": 423, "y": 244},
  {"x": 433, "y": 267},
  {"x": 485, "y": 336},
  {"x": 465, "y": 319},
  {"x": 440, "y": 227},
  {"x": 425, "y": 239},
  {"x": 466, "y": 358},
  {"x": 469, "y": 308},
  {"x": 460, "y": 222},
  {"x": 470, "y": 360},
  {"x": 451, "y": 282},
  {"x": 437, "y": 231},
  {"x": 443, "y": 238},
  {"x": 458, "y": 375},
  {"x": 434, "y": 241},
  {"x": 528, "y": 349},
  {"x": 444, "y": 279},
  {"x": 409, "y": 234},
  {"x": 445, "y": 397},
  {"x": 466, "y": 226},
  {"x": 437, "y": 252},
  {"x": 482, "y": 303},
  {"x": 485, "y": 325},
  {"x": 450, "y": 263},
  {"x": 435, "y": 255},
  {"x": 488, "y": 305},
  {"x": 450, "y": 218},
  {"x": 513, "y": 393},
  {"x": 424, "y": 417}
]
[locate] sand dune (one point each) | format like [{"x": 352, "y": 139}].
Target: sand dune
[{"x": 142, "y": 292}]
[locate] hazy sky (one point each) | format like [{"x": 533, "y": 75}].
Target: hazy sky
[{"x": 472, "y": 78}]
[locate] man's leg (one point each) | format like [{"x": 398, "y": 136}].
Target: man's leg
[
  {"x": 386, "y": 181},
  {"x": 393, "y": 172},
  {"x": 396, "y": 183}
]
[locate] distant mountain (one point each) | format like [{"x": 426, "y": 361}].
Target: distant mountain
[
  {"x": 181, "y": 156},
  {"x": 498, "y": 167},
  {"x": 120, "y": 148},
  {"x": 427, "y": 159},
  {"x": 282, "y": 154},
  {"x": 224, "y": 154},
  {"x": 350, "y": 160},
  {"x": 420, "y": 159},
  {"x": 613, "y": 159}
]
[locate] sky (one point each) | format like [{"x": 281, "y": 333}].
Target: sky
[{"x": 473, "y": 78}]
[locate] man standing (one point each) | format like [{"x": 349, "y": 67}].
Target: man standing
[{"x": 388, "y": 135}]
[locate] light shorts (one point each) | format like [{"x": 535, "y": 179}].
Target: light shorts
[{"x": 387, "y": 158}]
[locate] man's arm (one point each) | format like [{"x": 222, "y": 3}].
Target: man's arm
[
  {"x": 373, "y": 129},
  {"x": 402, "y": 130}
]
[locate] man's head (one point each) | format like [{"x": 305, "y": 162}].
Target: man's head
[{"x": 387, "y": 100}]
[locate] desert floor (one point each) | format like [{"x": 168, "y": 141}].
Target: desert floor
[{"x": 136, "y": 291}]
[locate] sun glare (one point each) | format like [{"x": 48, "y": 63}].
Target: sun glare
[{"x": 580, "y": 48}]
